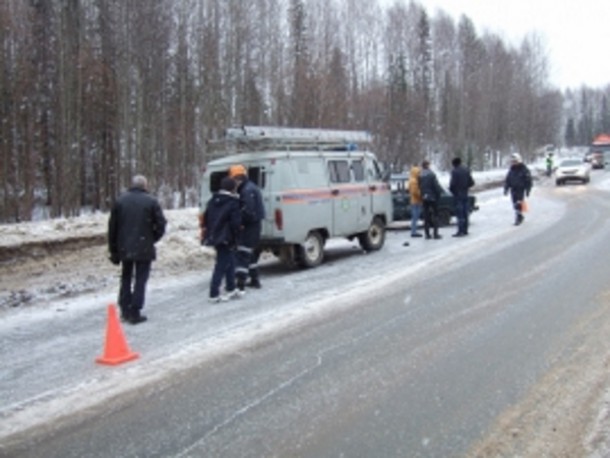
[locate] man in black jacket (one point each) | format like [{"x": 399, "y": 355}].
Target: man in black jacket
[
  {"x": 136, "y": 224},
  {"x": 222, "y": 224},
  {"x": 431, "y": 193},
  {"x": 461, "y": 181},
  {"x": 519, "y": 182},
  {"x": 252, "y": 216}
]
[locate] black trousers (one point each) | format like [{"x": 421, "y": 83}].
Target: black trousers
[
  {"x": 134, "y": 277},
  {"x": 430, "y": 208},
  {"x": 247, "y": 253}
]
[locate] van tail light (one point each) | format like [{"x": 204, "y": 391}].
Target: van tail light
[{"x": 279, "y": 219}]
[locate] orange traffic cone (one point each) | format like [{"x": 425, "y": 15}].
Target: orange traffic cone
[{"x": 116, "y": 350}]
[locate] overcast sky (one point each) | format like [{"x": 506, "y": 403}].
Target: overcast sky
[{"x": 576, "y": 33}]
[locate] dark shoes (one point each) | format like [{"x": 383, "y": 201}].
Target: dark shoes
[
  {"x": 136, "y": 317},
  {"x": 460, "y": 234},
  {"x": 132, "y": 316},
  {"x": 254, "y": 284},
  {"x": 519, "y": 219},
  {"x": 417, "y": 234}
]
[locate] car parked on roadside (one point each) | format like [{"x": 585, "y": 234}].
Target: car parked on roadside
[
  {"x": 572, "y": 170},
  {"x": 399, "y": 184}
]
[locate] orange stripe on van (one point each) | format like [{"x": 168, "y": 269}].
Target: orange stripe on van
[{"x": 296, "y": 196}]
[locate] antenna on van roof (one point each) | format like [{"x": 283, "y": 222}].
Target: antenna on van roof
[{"x": 292, "y": 138}]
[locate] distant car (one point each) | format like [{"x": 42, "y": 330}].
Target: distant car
[
  {"x": 399, "y": 184},
  {"x": 595, "y": 158},
  {"x": 572, "y": 170}
]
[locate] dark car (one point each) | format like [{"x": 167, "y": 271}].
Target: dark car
[{"x": 399, "y": 184}]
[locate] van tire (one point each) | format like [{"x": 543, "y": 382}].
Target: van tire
[
  {"x": 374, "y": 238},
  {"x": 311, "y": 252}
]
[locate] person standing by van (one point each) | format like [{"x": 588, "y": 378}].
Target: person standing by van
[
  {"x": 461, "y": 181},
  {"x": 221, "y": 224},
  {"x": 415, "y": 199},
  {"x": 519, "y": 183},
  {"x": 252, "y": 215},
  {"x": 431, "y": 193}
]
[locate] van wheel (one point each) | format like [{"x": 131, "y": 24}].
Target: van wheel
[
  {"x": 311, "y": 252},
  {"x": 374, "y": 238},
  {"x": 444, "y": 218}
]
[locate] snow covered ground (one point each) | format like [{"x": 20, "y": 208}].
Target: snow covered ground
[{"x": 53, "y": 304}]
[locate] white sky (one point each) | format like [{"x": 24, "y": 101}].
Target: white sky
[{"x": 576, "y": 33}]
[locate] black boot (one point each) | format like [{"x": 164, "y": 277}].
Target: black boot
[
  {"x": 254, "y": 282},
  {"x": 136, "y": 317}
]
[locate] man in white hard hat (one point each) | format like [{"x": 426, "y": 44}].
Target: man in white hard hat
[{"x": 519, "y": 183}]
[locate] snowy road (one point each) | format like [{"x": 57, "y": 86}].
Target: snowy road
[{"x": 413, "y": 351}]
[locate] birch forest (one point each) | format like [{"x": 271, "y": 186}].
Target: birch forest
[{"x": 95, "y": 91}]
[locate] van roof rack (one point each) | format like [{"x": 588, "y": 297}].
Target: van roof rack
[{"x": 259, "y": 138}]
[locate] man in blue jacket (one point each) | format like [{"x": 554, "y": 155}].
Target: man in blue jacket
[
  {"x": 431, "y": 193},
  {"x": 461, "y": 181},
  {"x": 222, "y": 223},
  {"x": 519, "y": 183},
  {"x": 136, "y": 224},
  {"x": 252, "y": 215}
]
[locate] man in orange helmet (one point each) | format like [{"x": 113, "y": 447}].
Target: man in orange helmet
[{"x": 253, "y": 213}]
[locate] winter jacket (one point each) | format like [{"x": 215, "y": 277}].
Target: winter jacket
[
  {"x": 414, "y": 192},
  {"x": 461, "y": 181},
  {"x": 518, "y": 179},
  {"x": 222, "y": 219},
  {"x": 252, "y": 209},
  {"x": 429, "y": 186},
  {"x": 136, "y": 224}
]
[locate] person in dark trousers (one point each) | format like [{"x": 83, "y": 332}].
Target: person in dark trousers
[
  {"x": 252, "y": 215},
  {"x": 222, "y": 224},
  {"x": 461, "y": 181},
  {"x": 519, "y": 183},
  {"x": 136, "y": 224},
  {"x": 431, "y": 193}
]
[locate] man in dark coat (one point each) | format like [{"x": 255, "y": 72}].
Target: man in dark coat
[
  {"x": 519, "y": 183},
  {"x": 461, "y": 181},
  {"x": 252, "y": 215},
  {"x": 431, "y": 193},
  {"x": 222, "y": 224},
  {"x": 136, "y": 224}
]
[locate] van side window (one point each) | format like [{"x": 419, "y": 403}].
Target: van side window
[
  {"x": 358, "y": 169},
  {"x": 339, "y": 171},
  {"x": 215, "y": 179},
  {"x": 258, "y": 176},
  {"x": 374, "y": 172}
]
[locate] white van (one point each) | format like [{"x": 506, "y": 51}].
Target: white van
[{"x": 316, "y": 184}]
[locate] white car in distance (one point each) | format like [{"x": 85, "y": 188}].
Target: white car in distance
[{"x": 572, "y": 170}]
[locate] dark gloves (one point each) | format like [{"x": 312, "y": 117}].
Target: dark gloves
[{"x": 115, "y": 258}]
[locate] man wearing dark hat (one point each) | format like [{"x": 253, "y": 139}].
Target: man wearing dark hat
[
  {"x": 431, "y": 193},
  {"x": 461, "y": 181},
  {"x": 222, "y": 223}
]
